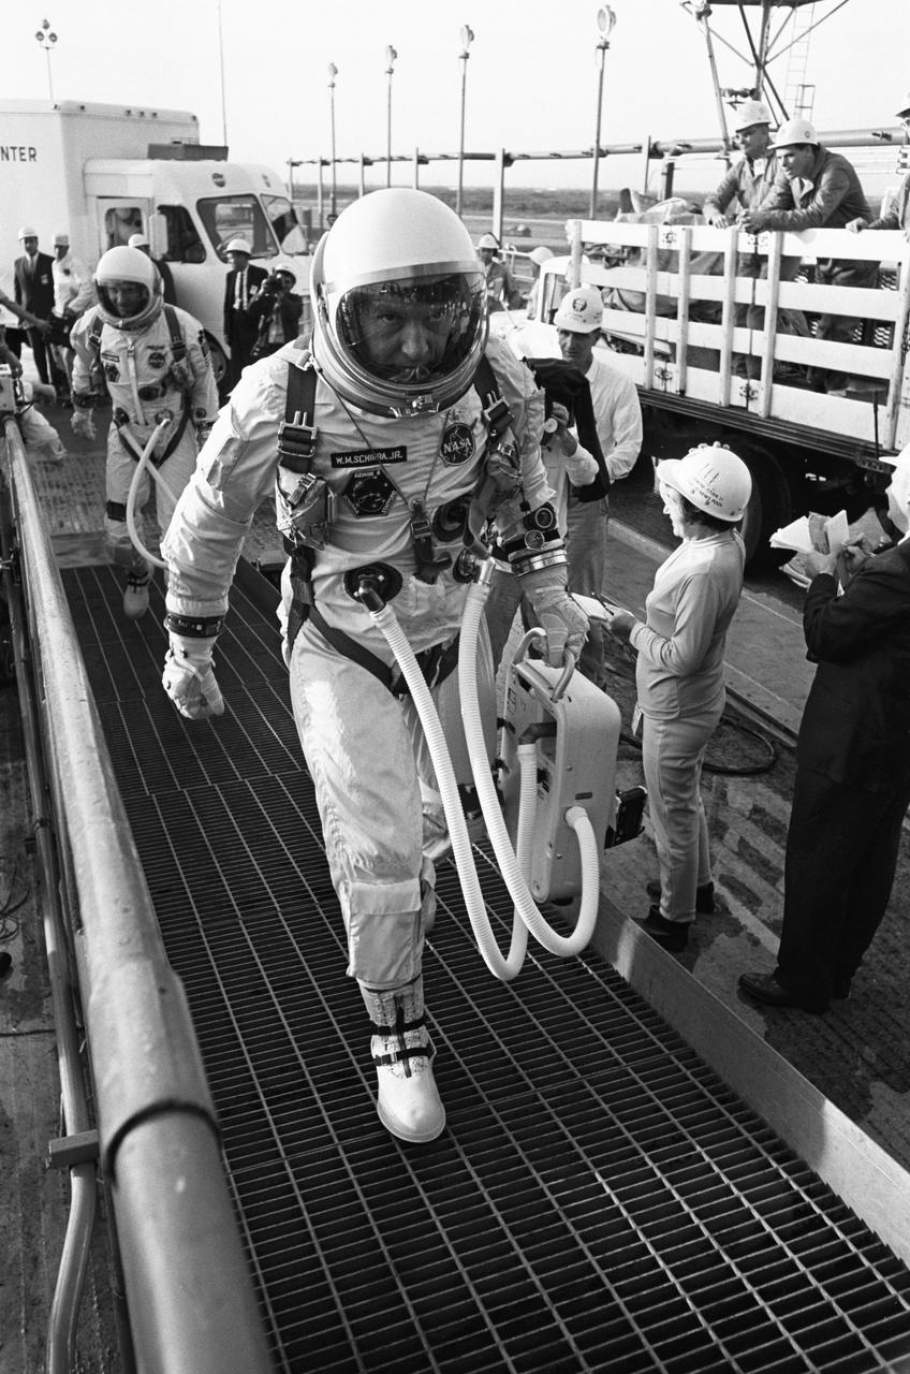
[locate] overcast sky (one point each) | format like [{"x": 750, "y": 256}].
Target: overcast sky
[{"x": 531, "y": 76}]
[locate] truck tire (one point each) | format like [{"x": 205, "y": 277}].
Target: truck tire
[{"x": 771, "y": 504}]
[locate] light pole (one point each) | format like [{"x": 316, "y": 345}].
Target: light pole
[
  {"x": 605, "y": 22},
  {"x": 333, "y": 72},
  {"x": 390, "y": 56},
  {"x": 47, "y": 38},
  {"x": 292, "y": 163},
  {"x": 467, "y": 38}
]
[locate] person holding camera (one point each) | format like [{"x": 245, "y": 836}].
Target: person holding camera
[{"x": 276, "y": 312}]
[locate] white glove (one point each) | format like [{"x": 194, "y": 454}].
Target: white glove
[
  {"x": 189, "y": 679},
  {"x": 83, "y": 425},
  {"x": 565, "y": 623}
]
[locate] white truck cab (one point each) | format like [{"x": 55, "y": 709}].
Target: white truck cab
[{"x": 103, "y": 172}]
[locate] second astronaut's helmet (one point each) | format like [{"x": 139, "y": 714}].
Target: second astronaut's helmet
[
  {"x": 129, "y": 288},
  {"x": 399, "y": 304}
]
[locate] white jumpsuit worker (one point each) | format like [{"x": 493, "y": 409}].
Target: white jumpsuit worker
[
  {"x": 153, "y": 367},
  {"x": 401, "y": 446},
  {"x": 680, "y": 671}
]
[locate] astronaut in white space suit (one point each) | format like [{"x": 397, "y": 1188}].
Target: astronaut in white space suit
[
  {"x": 402, "y": 427},
  {"x": 153, "y": 361}
]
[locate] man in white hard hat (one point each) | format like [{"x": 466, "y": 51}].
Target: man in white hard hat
[
  {"x": 141, "y": 242},
  {"x": 33, "y": 283},
  {"x": 502, "y": 293},
  {"x": 73, "y": 294},
  {"x": 852, "y": 785},
  {"x": 153, "y": 362},
  {"x": 814, "y": 189},
  {"x": 582, "y": 465},
  {"x": 752, "y": 176},
  {"x": 618, "y": 423},
  {"x": 679, "y": 672},
  {"x": 402, "y": 433},
  {"x": 240, "y": 289},
  {"x": 277, "y": 311},
  {"x": 896, "y": 214}
]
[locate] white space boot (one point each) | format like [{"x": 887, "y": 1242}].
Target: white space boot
[
  {"x": 408, "y": 1105},
  {"x": 136, "y": 592}
]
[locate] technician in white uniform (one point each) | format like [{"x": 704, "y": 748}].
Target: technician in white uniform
[
  {"x": 385, "y": 445},
  {"x": 680, "y": 672}
]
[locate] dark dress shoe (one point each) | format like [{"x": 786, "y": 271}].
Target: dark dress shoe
[
  {"x": 704, "y": 897},
  {"x": 673, "y": 935},
  {"x": 765, "y": 989}
]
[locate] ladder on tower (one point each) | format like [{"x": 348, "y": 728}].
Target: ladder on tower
[{"x": 799, "y": 94}]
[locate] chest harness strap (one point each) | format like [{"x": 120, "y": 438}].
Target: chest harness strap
[
  {"x": 177, "y": 371},
  {"x": 311, "y": 499}
]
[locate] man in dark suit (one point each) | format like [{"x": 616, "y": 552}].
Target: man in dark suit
[
  {"x": 33, "y": 279},
  {"x": 240, "y": 290},
  {"x": 852, "y": 784}
]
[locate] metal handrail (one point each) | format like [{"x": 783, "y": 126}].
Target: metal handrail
[{"x": 190, "y": 1296}]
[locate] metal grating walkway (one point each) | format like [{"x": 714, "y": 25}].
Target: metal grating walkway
[{"x": 600, "y": 1201}]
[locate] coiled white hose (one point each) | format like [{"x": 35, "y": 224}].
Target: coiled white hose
[
  {"x": 505, "y": 969},
  {"x": 576, "y": 816},
  {"x": 143, "y": 462},
  {"x": 526, "y": 916}
]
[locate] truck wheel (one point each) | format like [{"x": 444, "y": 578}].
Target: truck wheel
[{"x": 770, "y": 507}]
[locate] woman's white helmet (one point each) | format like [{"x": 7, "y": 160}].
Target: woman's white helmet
[
  {"x": 711, "y": 478},
  {"x": 397, "y": 245},
  {"x": 129, "y": 265}
]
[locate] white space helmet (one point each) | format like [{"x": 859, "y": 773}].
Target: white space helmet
[
  {"x": 581, "y": 310},
  {"x": 750, "y": 113},
  {"x": 712, "y": 478},
  {"x": 398, "y": 253},
  {"x": 133, "y": 266},
  {"x": 793, "y": 132}
]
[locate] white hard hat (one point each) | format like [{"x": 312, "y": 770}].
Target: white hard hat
[
  {"x": 284, "y": 266},
  {"x": 794, "y": 132},
  {"x": 488, "y": 241},
  {"x": 239, "y": 245},
  {"x": 581, "y": 311},
  {"x": 128, "y": 265},
  {"x": 750, "y": 113},
  {"x": 712, "y": 478},
  {"x": 61, "y": 240},
  {"x": 407, "y": 251},
  {"x": 137, "y": 241},
  {"x": 27, "y": 232},
  {"x": 540, "y": 255}
]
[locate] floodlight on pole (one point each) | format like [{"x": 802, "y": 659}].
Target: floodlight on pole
[
  {"x": 467, "y": 38},
  {"x": 333, "y": 72},
  {"x": 47, "y": 38},
  {"x": 606, "y": 20},
  {"x": 390, "y": 58}
]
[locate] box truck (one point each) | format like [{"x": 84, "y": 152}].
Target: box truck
[{"x": 103, "y": 172}]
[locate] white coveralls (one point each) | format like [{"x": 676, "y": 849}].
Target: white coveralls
[
  {"x": 140, "y": 374},
  {"x": 681, "y": 695},
  {"x": 363, "y": 745}
]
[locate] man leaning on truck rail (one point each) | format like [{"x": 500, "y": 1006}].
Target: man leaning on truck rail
[
  {"x": 897, "y": 215},
  {"x": 816, "y": 188}
]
